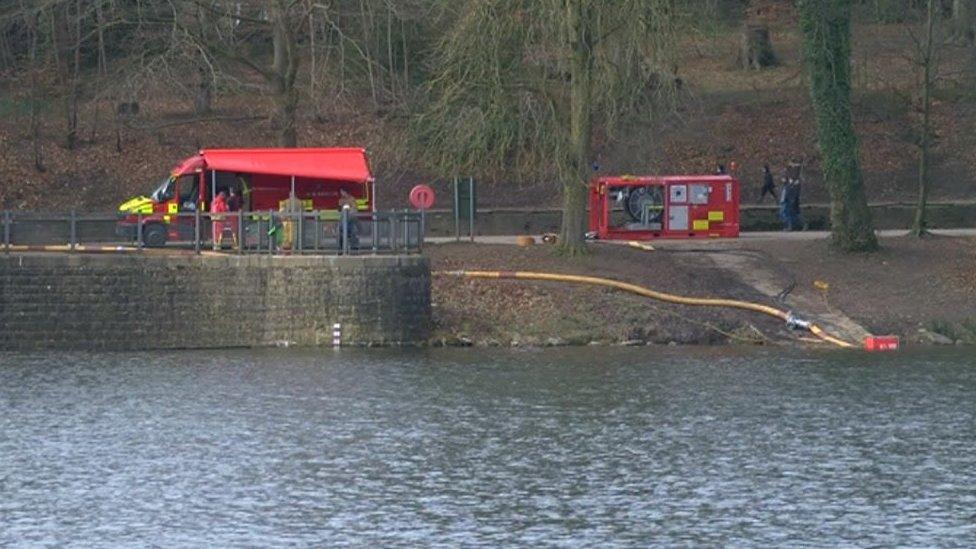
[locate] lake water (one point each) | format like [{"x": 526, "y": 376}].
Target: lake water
[{"x": 592, "y": 446}]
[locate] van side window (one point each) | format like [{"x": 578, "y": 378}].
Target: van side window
[{"x": 189, "y": 187}]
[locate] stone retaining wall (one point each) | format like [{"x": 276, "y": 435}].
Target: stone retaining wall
[{"x": 127, "y": 302}]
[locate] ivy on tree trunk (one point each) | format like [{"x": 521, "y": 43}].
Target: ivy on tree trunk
[{"x": 826, "y": 26}]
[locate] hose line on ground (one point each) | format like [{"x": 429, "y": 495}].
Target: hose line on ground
[{"x": 785, "y": 316}]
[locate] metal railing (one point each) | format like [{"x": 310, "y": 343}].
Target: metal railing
[{"x": 319, "y": 232}]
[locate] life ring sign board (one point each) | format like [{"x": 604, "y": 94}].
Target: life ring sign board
[{"x": 422, "y": 197}]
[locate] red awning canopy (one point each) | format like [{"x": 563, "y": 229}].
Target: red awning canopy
[{"x": 338, "y": 164}]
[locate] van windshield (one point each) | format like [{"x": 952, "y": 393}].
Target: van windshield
[{"x": 164, "y": 192}]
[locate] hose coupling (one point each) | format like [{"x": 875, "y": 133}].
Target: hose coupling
[{"x": 794, "y": 322}]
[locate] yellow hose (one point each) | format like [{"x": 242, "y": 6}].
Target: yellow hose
[
  {"x": 646, "y": 292},
  {"x": 818, "y": 331}
]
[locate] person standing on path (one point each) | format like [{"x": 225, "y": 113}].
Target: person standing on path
[
  {"x": 233, "y": 200},
  {"x": 796, "y": 217},
  {"x": 768, "y": 185},
  {"x": 789, "y": 206},
  {"x": 348, "y": 203},
  {"x": 217, "y": 210},
  {"x": 234, "y": 207},
  {"x": 784, "y": 197},
  {"x": 292, "y": 209}
]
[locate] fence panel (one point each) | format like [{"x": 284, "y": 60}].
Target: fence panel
[{"x": 270, "y": 232}]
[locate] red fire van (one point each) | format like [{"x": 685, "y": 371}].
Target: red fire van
[
  {"x": 263, "y": 178},
  {"x": 648, "y": 207}
]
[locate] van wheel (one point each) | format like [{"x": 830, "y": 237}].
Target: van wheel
[{"x": 154, "y": 236}]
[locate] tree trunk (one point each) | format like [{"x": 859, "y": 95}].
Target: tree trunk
[
  {"x": 579, "y": 22},
  {"x": 32, "y": 21},
  {"x": 368, "y": 57},
  {"x": 203, "y": 95},
  {"x": 286, "y": 104},
  {"x": 757, "y": 48},
  {"x": 918, "y": 224},
  {"x": 102, "y": 57},
  {"x": 312, "y": 74},
  {"x": 826, "y": 26},
  {"x": 75, "y": 83},
  {"x": 203, "y": 98},
  {"x": 406, "y": 56},
  {"x": 389, "y": 50},
  {"x": 6, "y": 54},
  {"x": 964, "y": 21},
  {"x": 285, "y": 69},
  {"x": 964, "y": 30}
]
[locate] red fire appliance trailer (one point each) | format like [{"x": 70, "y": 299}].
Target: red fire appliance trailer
[{"x": 647, "y": 207}]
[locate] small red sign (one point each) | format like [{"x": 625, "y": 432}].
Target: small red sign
[{"x": 422, "y": 197}]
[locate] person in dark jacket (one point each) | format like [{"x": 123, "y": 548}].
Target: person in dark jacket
[
  {"x": 768, "y": 185},
  {"x": 348, "y": 202},
  {"x": 790, "y": 206},
  {"x": 784, "y": 197},
  {"x": 798, "y": 222},
  {"x": 233, "y": 201}
]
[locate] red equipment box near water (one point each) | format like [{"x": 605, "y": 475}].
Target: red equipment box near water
[
  {"x": 631, "y": 207},
  {"x": 881, "y": 343}
]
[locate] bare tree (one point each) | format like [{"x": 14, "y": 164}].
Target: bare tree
[
  {"x": 963, "y": 15},
  {"x": 926, "y": 60},
  {"x": 74, "y": 20},
  {"x": 514, "y": 88},
  {"x": 279, "y": 19},
  {"x": 31, "y": 20},
  {"x": 204, "y": 91},
  {"x": 284, "y": 70}
]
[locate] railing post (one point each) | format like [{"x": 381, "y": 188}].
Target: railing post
[
  {"x": 73, "y": 231},
  {"x": 375, "y": 229},
  {"x": 344, "y": 220},
  {"x": 406, "y": 230},
  {"x": 301, "y": 232},
  {"x": 240, "y": 232},
  {"x": 457, "y": 211},
  {"x": 6, "y": 231},
  {"x": 139, "y": 230},
  {"x": 196, "y": 230},
  {"x": 423, "y": 230},
  {"x": 471, "y": 208},
  {"x": 317, "y": 241},
  {"x": 393, "y": 231},
  {"x": 271, "y": 235}
]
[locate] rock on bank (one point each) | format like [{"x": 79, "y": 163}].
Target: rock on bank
[{"x": 132, "y": 302}]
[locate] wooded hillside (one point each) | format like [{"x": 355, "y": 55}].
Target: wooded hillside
[{"x": 100, "y": 97}]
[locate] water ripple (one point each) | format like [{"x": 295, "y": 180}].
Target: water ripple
[{"x": 569, "y": 447}]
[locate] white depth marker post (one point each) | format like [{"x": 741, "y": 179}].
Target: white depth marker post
[{"x": 336, "y": 335}]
